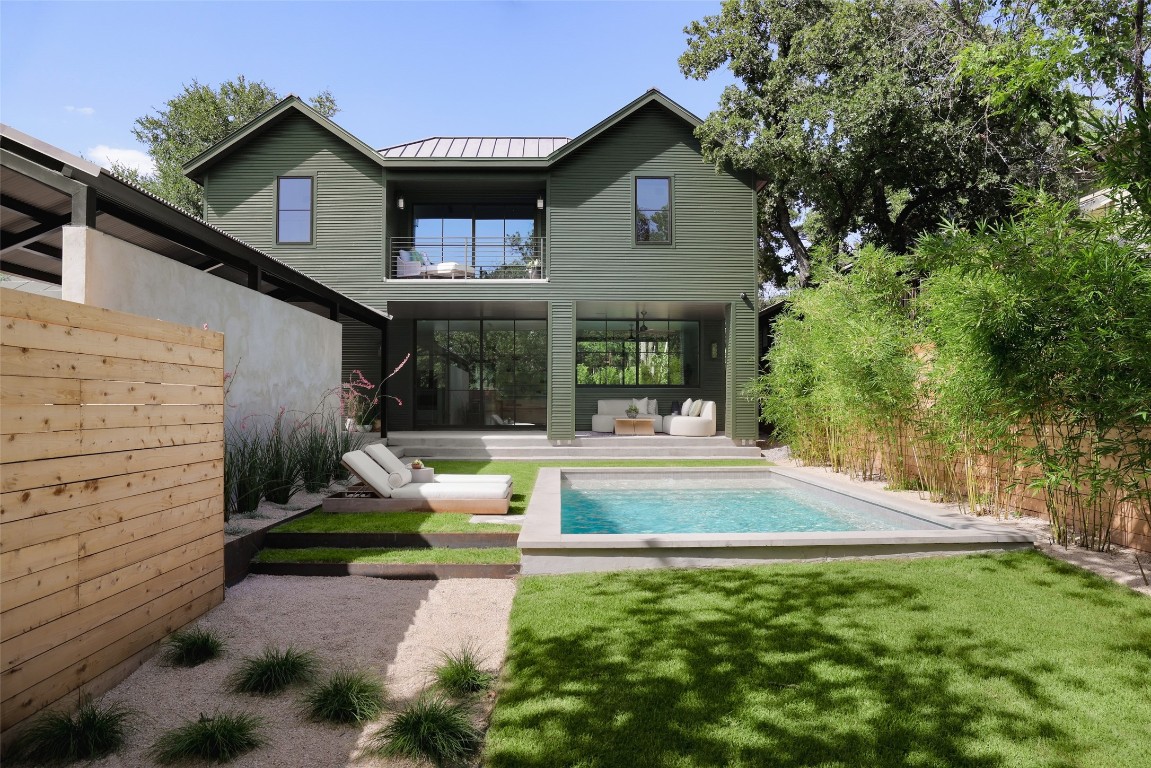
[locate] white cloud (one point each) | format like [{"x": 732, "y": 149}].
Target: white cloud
[
  {"x": 133, "y": 158},
  {"x": 85, "y": 111}
]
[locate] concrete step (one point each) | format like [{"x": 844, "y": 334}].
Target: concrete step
[{"x": 578, "y": 452}]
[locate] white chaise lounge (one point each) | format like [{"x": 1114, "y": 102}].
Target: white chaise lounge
[
  {"x": 386, "y": 491},
  {"x": 389, "y": 461}
]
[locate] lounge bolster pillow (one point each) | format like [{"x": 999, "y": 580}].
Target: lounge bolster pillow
[{"x": 399, "y": 474}]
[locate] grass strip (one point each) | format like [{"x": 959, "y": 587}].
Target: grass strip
[
  {"x": 392, "y": 522},
  {"x": 469, "y": 556},
  {"x": 1011, "y": 660}
]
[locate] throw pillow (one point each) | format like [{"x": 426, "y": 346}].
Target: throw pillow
[
  {"x": 640, "y": 405},
  {"x": 652, "y": 406},
  {"x": 685, "y": 409},
  {"x": 696, "y": 407}
]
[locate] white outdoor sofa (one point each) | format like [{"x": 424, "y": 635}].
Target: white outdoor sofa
[
  {"x": 702, "y": 425},
  {"x": 388, "y": 487},
  {"x": 607, "y": 411}
]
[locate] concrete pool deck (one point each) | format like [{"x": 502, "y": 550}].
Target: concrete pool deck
[{"x": 546, "y": 550}]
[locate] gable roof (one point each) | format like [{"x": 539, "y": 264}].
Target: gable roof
[
  {"x": 490, "y": 151},
  {"x": 535, "y": 147},
  {"x": 198, "y": 165},
  {"x": 653, "y": 96}
]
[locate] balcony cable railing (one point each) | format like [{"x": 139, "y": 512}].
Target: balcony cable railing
[{"x": 467, "y": 258}]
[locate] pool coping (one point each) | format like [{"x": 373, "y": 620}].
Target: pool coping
[{"x": 545, "y": 549}]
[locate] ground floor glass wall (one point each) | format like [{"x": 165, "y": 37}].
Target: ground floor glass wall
[{"x": 481, "y": 373}]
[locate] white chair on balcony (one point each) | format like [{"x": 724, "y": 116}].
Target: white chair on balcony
[{"x": 409, "y": 264}]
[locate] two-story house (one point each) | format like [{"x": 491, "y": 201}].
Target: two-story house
[{"x": 528, "y": 278}]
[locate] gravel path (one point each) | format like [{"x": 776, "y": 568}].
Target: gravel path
[{"x": 394, "y": 628}]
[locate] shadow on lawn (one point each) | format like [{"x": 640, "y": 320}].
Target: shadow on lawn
[{"x": 768, "y": 667}]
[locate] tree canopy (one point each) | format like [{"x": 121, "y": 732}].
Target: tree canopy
[
  {"x": 194, "y": 120},
  {"x": 855, "y": 116}
]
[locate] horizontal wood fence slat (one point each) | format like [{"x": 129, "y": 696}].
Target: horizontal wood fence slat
[{"x": 111, "y": 493}]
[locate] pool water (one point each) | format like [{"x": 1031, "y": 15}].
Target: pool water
[{"x": 718, "y": 510}]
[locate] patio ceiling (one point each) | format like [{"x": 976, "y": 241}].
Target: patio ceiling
[{"x": 656, "y": 310}]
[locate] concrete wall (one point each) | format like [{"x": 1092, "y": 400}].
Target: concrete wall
[{"x": 280, "y": 355}]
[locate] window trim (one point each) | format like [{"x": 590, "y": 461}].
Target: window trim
[
  {"x": 311, "y": 210},
  {"x": 698, "y": 355},
  {"x": 635, "y": 179}
]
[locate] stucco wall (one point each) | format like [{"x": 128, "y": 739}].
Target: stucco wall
[{"x": 281, "y": 356}]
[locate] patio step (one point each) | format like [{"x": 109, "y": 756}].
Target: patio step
[{"x": 466, "y": 446}]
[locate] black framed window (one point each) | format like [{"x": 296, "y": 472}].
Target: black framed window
[
  {"x": 653, "y": 209},
  {"x": 645, "y": 353},
  {"x": 294, "y": 209}
]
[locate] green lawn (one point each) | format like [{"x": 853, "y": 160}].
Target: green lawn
[
  {"x": 485, "y": 556},
  {"x": 980, "y": 661},
  {"x": 393, "y": 522}
]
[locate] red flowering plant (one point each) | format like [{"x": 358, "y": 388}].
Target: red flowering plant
[{"x": 358, "y": 396}]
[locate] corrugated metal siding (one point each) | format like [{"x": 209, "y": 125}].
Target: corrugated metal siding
[
  {"x": 561, "y": 370},
  {"x": 712, "y": 384},
  {"x": 361, "y": 350},
  {"x": 743, "y": 350},
  {"x": 348, "y": 244}
]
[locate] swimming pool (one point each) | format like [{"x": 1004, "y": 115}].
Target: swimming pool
[
  {"x": 583, "y": 519},
  {"x": 670, "y": 503}
]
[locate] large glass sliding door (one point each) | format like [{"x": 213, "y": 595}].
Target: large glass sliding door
[{"x": 481, "y": 373}]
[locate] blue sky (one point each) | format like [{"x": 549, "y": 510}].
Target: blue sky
[{"x": 77, "y": 74}]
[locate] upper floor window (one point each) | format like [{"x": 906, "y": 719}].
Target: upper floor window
[
  {"x": 652, "y": 209},
  {"x": 294, "y": 209}
]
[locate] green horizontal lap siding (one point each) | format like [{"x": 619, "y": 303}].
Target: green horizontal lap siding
[
  {"x": 561, "y": 370},
  {"x": 743, "y": 349},
  {"x": 591, "y": 227},
  {"x": 712, "y": 384},
  {"x": 347, "y": 247}
]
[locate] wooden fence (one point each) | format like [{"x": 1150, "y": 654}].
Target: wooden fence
[{"x": 111, "y": 493}]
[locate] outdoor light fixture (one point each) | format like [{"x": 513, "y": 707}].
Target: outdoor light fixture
[
  {"x": 742, "y": 295},
  {"x": 643, "y": 321},
  {"x": 400, "y": 202},
  {"x": 715, "y": 350},
  {"x": 540, "y": 202}
]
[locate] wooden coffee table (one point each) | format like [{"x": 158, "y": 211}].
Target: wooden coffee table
[{"x": 635, "y": 426}]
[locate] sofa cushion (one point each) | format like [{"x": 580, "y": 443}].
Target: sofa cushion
[
  {"x": 696, "y": 407},
  {"x": 685, "y": 409},
  {"x": 640, "y": 405},
  {"x": 652, "y": 406}
]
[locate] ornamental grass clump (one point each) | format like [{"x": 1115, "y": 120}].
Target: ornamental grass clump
[
  {"x": 243, "y": 468},
  {"x": 220, "y": 738},
  {"x": 433, "y": 729},
  {"x": 348, "y": 696},
  {"x": 191, "y": 647},
  {"x": 314, "y": 437},
  {"x": 91, "y": 732},
  {"x": 281, "y": 463},
  {"x": 274, "y": 670},
  {"x": 461, "y": 674}
]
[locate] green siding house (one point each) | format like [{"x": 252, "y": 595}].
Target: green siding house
[{"x": 527, "y": 278}]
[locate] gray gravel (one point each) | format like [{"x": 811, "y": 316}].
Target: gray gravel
[{"x": 395, "y": 629}]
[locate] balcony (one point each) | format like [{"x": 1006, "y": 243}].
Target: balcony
[{"x": 466, "y": 258}]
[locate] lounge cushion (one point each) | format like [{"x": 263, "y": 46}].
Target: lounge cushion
[
  {"x": 451, "y": 491},
  {"x": 640, "y": 405},
  {"x": 399, "y": 473},
  {"x": 685, "y": 409},
  {"x": 386, "y": 459},
  {"x": 696, "y": 407},
  {"x": 652, "y": 406},
  {"x": 364, "y": 467}
]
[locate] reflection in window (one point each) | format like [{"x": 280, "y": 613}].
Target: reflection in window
[
  {"x": 652, "y": 210},
  {"x": 629, "y": 353},
  {"x": 294, "y": 209},
  {"x": 491, "y": 241}
]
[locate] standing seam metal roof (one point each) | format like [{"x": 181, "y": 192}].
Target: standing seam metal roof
[{"x": 527, "y": 147}]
